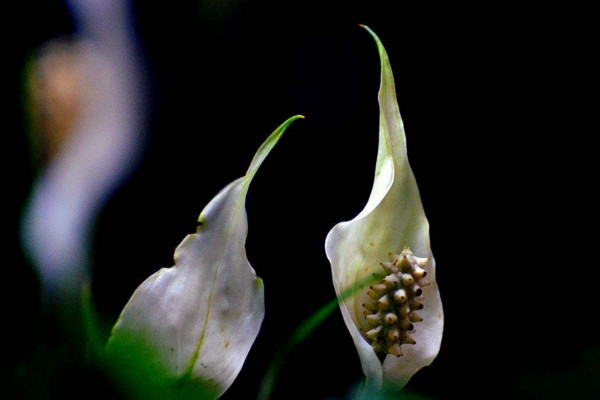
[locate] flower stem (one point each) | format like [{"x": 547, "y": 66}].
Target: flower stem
[{"x": 301, "y": 333}]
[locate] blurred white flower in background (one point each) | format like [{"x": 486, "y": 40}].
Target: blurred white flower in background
[{"x": 87, "y": 112}]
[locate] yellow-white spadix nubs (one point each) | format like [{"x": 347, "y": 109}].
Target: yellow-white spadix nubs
[
  {"x": 188, "y": 329},
  {"x": 399, "y": 318}
]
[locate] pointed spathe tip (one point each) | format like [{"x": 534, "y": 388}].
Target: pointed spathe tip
[
  {"x": 365, "y": 27},
  {"x": 382, "y": 51},
  {"x": 268, "y": 145}
]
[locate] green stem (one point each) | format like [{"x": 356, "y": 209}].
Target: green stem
[{"x": 301, "y": 333}]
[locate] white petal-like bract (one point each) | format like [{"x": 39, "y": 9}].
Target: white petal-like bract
[
  {"x": 187, "y": 330},
  {"x": 392, "y": 220}
]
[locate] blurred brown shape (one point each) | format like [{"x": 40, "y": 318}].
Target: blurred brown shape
[{"x": 56, "y": 88}]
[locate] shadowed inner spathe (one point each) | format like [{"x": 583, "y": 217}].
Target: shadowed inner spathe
[{"x": 395, "y": 300}]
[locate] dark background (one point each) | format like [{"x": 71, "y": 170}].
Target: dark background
[{"x": 492, "y": 104}]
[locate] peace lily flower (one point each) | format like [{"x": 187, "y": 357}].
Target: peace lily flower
[
  {"x": 88, "y": 108},
  {"x": 399, "y": 318},
  {"x": 189, "y": 328}
]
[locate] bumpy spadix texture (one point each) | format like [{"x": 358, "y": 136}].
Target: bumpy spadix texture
[
  {"x": 192, "y": 325},
  {"x": 392, "y": 220},
  {"x": 396, "y": 298}
]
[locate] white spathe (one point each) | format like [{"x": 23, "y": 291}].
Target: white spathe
[
  {"x": 392, "y": 219},
  {"x": 198, "y": 319}
]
